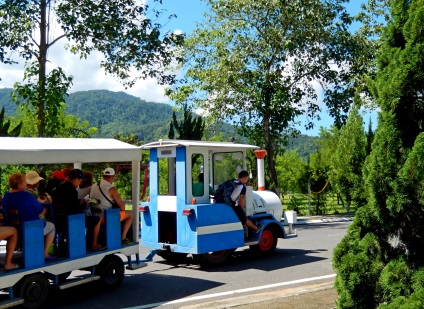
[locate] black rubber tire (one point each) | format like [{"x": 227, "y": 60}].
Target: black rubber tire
[
  {"x": 34, "y": 289},
  {"x": 217, "y": 257},
  {"x": 173, "y": 257},
  {"x": 111, "y": 271},
  {"x": 267, "y": 242}
]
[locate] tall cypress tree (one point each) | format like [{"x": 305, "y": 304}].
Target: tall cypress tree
[
  {"x": 369, "y": 137},
  {"x": 5, "y": 126},
  {"x": 381, "y": 258},
  {"x": 189, "y": 128}
]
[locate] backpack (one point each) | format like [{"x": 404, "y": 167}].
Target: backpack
[{"x": 224, "y": 191}]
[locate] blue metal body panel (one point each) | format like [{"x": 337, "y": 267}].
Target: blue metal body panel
[
  {"x": 182, "y": 238},
  {"x": 113, "y": 239},
  {"x": 211, "y": 214},
  {"x": 149, "y": 219},
  {"x": 76, "y": 236},
  {"x": 33, "y": 243},
  {"x": 220, "y": 241},
  {"x": 267, "y": 219}
]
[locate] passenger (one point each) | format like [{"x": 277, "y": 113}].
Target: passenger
[
  {"x": 198, "y": 187},
  {"x": 66, "y": 195},
  {"x": 85, "y": 187},
  {"x": 33, "y": 181},
  {"x": 56, "y": 178},
  {"x": 10, "y": 234},
  {"x": 237, "y": 196},
  {"x": 28, "y": 208},
  {"x": 66, "y": 171},
  {"x": 106, "y": 193}
]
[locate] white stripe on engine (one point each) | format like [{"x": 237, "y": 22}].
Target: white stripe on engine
[{"x": 219, "y": 228}]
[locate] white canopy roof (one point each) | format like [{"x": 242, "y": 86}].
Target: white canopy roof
[
  {"x": 28, "y": 150},
  {"x": 215, "y": 146}
]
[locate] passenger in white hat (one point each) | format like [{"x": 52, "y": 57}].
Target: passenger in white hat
[
  {"x": 106, "y": 193},
  {"x": 33, "y": 181},
  {"x": 32, "y": 178}
]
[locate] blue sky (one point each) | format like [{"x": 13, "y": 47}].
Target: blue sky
[{"x": 89, "y": 76}]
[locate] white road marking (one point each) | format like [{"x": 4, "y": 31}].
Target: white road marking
[{"x": 263, "y": 287}]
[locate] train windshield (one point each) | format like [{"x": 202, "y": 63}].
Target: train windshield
[{"x": 226, "y": 165}]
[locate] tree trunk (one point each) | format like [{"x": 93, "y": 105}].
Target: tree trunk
[
  {"x": 42, "y": 59},
  {"x": 271, "y": 156}
]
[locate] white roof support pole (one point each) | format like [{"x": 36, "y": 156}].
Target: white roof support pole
[{"x": 135, "y": 197}]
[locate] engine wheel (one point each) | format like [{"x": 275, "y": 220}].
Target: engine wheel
[
  {"x": 217, "y": 257},
  {"x": 111, "y": 271},
  {"x": 34, "y": 289},
  {"x": 267, "y": 242},
  {"x": 173, "y": 257}
]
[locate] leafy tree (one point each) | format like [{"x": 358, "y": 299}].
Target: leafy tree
[
  {"x": 348, "y": 160},
  {"x": 381, "y": 259},
  {"x": 5, "y": 126},
  {"x": 290, "y": 168},
  {"x": 329, "y": 142},
  {"x": 253, "y": 61},
  {"x": 67, "y": 125},
  {"x": 188, "y": 128},
  {"x": 120, "y": 30},
  {"x": 28, "y": 96},
  {"x": 317, "y": 175}
]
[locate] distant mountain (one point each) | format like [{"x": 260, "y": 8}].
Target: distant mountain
[
  {"x": 304, "y": 145},
  {"x": 118, "y": 112}
]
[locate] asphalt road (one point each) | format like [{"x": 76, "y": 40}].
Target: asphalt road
[{"x": 300, "y": 266}]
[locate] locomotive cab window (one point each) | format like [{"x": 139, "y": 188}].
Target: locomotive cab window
[
  {"x": 166, "y": 171},
  {"x": 197, "y": 176},
  {"x": 226, "y": 165}
]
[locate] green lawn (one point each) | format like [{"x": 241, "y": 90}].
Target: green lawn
[{"x": 322, "y": 204}]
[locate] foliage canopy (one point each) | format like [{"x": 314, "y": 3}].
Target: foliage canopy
[
  {"x": 257, "y": 62},
  {"x": 132, "y": 43},
  {"x": 384, "y": 241}
]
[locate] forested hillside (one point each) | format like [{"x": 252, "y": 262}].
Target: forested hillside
[
  {"x": 304, "y": 145},
  {"x": 118, "y": 112}
]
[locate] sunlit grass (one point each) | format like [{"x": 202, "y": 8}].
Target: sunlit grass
[{"x": 324, "y": 204}]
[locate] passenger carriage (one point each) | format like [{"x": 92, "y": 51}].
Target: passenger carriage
[{"x": 31, "y": 284}]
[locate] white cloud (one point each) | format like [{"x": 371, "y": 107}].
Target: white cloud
[{"x": 87, "y": 74}]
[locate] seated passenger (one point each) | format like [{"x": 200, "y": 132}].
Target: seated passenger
[
  {"x": 106, "y": 193},
  {"x": 28, "y": 208},
  {"x": 33, "y": 181},
  {"x": 198, "y": 187},
  {"x": 85, "y": 187},
  {"x": 66, "y": 171},
  {"x": 66, "y": 195},
  {"x": 56, "y": 178},
  {"x": 10, "y": 234}
]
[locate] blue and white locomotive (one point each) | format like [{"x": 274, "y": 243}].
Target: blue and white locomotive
[{"x": 176, "y": 223}]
